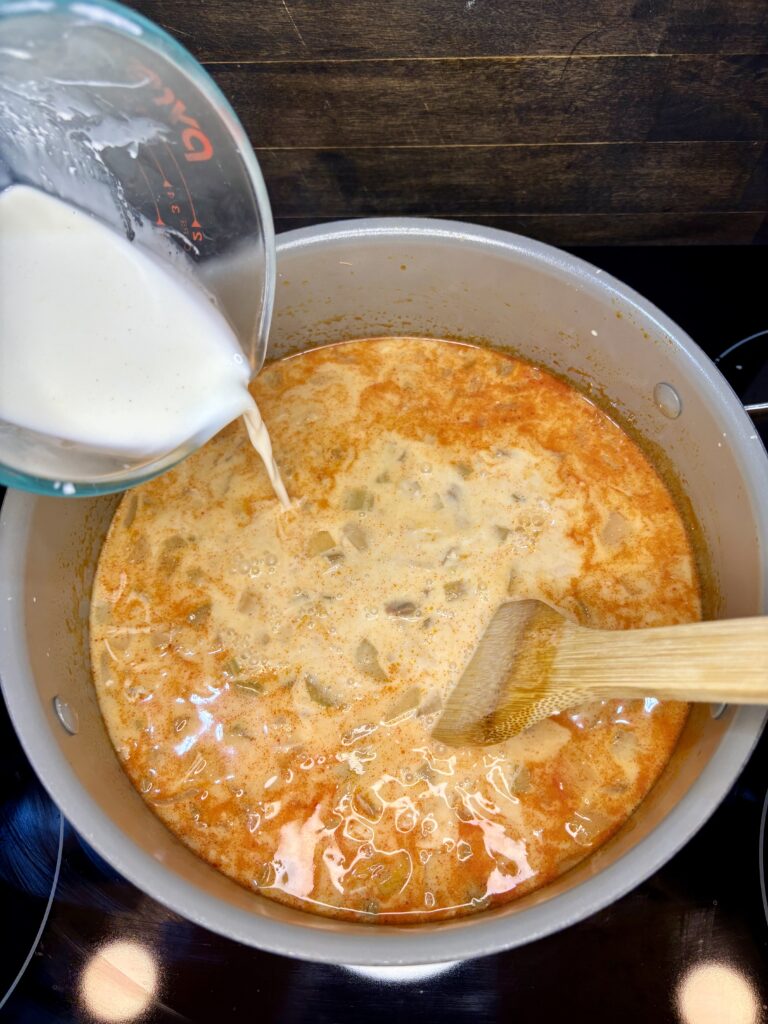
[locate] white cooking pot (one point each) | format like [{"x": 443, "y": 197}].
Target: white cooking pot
[{"x": 413, "y": 277}]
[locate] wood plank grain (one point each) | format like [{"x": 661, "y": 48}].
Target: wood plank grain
[
  {"x": 575, "y": 229},
  {"x": 672, "y": 177},
  {"x": 305, "y": 29},
  {"x": 499, "y": 101}
]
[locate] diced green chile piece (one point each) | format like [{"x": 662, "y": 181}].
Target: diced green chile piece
[
  {"x": 368, "y": 804},
  {"x": 405, "y": 704},
  {"x": 357, "y": 499},
  {"x": 250, "y": 686},
  {"x": 170, "y": 554},
  {"x": 367, "y": 660},
  {"x": 320, "y": 694},
  {"x": 356, "y": 536},
  {"x": 200, "y": 615},
  {"x": 402, "y": 610},
  {"x": 320, "y": 542},
  {"x": 455, "y": 589},
  {"x": 335, "y": 558}
]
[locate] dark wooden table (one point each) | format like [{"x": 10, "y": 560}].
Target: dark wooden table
[{"x": 576, "y": 121}]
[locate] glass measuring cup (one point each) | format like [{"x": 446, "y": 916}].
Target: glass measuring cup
[{"x": 104, "y": 110}]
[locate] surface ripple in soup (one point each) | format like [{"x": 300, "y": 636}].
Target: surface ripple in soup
[{"x": 270, "y": 679}]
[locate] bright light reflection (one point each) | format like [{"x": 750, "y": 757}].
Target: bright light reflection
[
  {"x": 403, "y": 975},
  {"x": 119, "y": 981},
  {"x": 97, "y": 13},
  {"x": 717, "y": 993}
]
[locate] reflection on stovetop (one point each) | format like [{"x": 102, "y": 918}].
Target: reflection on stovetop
[{"x": 687, "y": 946}]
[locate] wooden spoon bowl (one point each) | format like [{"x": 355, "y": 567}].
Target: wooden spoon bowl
[{"x": 532, "y": 663}]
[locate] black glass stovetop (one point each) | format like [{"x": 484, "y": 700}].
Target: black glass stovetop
[{"x": 80, "y": 943}]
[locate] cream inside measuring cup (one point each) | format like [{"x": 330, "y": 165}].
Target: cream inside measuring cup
[{"x": 102, "y": 345}]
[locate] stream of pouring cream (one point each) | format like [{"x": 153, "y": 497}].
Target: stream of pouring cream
[{"x": 104, "y": 345}]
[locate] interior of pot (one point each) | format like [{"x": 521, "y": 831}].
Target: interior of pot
[{"x": 339, "y": 284}]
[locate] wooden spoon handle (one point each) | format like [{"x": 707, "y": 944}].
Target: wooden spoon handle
[{"x": 721, "y": 661}]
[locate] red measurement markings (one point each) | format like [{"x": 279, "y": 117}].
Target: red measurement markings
[
  {"x": 159, "y": 220},
  {"x": 197, "y": 233},
  {"x": 197, "y": 147},
  {"x": 160, "y": 171},
  {"x": 170, "y": 192}
]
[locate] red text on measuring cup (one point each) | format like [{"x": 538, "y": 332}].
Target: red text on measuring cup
[{"x": 197, "y": 145}]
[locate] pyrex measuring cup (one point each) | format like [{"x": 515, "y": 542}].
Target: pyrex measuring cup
[{"x": 101, "y": 108}]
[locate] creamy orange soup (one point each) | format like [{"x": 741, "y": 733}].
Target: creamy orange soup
[{"x": 270, "y": 678}]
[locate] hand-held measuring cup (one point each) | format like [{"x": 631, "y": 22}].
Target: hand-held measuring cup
[{"x": 102, "y": 109}]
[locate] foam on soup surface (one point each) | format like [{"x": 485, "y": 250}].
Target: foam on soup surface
[{"x": 270, "y": 678}]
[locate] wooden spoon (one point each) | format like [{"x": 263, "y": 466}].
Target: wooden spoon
[{"x": 532, "y": 663}]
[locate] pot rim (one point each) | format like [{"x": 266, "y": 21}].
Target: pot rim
[{"x": 360, "y": 944}]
